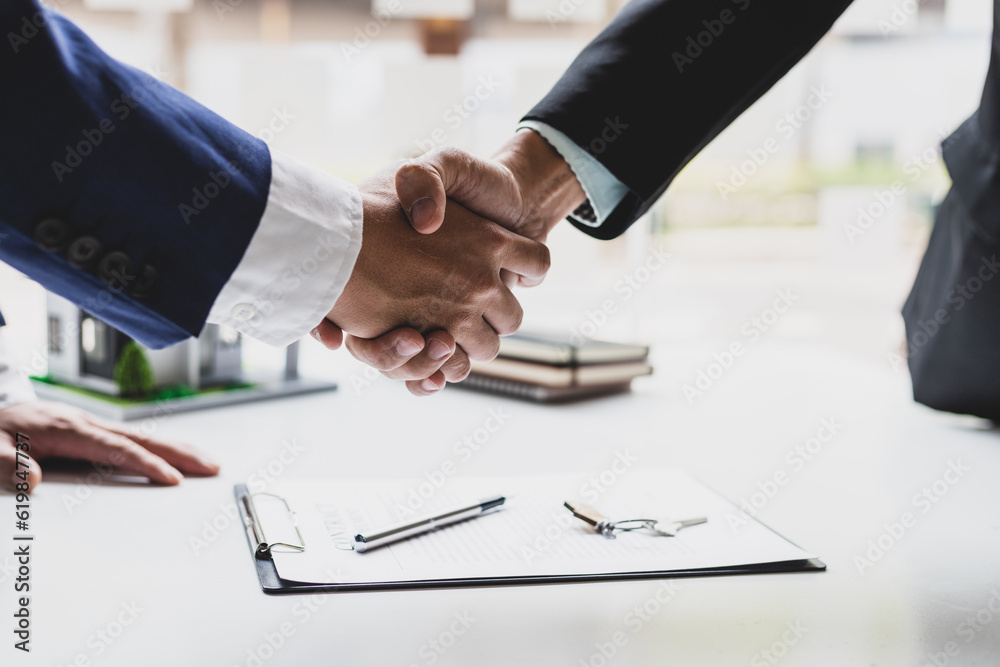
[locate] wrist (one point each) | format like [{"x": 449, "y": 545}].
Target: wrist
[{"x": 549, "y": 189}]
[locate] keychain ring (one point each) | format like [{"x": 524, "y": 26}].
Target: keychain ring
[{"x": 608, "y": 528}]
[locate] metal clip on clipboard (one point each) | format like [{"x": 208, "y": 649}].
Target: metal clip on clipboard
[{"x": 255, "y": 529}]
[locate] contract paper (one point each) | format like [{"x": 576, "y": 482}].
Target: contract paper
[{"x": 531, "y": 536}]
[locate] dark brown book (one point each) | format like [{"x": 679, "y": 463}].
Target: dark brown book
[
  {"x": 562, "y": 376},
  {"x": 539, "y": 393}
]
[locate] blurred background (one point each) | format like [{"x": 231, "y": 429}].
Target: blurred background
[{"x": 824, "y": 190}]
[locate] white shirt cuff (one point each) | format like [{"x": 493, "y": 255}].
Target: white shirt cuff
[
  {"x": 603, "y": 190},
  {"x": 299, "y": 259},
  {"x": 15, "y": 387}
]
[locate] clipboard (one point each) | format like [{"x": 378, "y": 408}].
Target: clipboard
[{"x": 271, "y": 582}]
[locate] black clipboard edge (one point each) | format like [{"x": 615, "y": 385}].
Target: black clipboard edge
[{"x": 272, "y": 584}]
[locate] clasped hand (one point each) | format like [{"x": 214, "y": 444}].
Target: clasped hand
[{"x": 431, "y": 286}]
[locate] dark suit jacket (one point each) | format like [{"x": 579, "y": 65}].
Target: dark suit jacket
[
  {"x": 669, "y": 76},
  {"x": 672, "y": 74},
  {"x": 116, "y": 191},
  {"x": 953, "y": 312}
]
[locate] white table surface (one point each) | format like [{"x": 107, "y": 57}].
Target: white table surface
[{"x": 130, "y": 545}]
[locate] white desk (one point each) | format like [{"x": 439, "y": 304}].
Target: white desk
[{"x": 127, "y": 545}]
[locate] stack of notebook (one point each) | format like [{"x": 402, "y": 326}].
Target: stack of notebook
[{"x": 546, "y": 369}]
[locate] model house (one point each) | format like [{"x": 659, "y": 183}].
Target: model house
[{"x": 83, "y": 352}]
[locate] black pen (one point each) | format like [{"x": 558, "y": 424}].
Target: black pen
[{"x": 363, "y": 543}]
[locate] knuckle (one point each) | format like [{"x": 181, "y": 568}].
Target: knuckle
[
  {"x": 68, "y": 423},
  {"x": 488, "y": 349},
  {"x": 453, "y": 155},
  {"x": 118, "y": 453},
  {"x": 483, "y": 284},
  {"x": 457, "y": 368},
  {"x": 415, "y": 369},
  {"x": 425, "y": 171},
  {"x": 407, "y": 166},
  {"x": 374, "y": 355},
  {"x": 513, "y": 324},
  {"x": 397, "y": 374},
  {"x": 494, "y": 237},
  {"x": 385, "y": 363},
  {"x": 415, "y": 175},
  {"x": 544, "y": 258}
]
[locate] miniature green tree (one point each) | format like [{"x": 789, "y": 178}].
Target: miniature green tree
[{"x": 133, "y": 373}]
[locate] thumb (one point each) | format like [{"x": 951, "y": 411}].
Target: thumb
[
  {"x": 421, "y": 192},
  {"x": 424, "y": 184},
  {"x": 8, "y": 466}
]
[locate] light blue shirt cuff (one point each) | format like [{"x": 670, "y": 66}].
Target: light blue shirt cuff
[{"x": 603, "y": 190}]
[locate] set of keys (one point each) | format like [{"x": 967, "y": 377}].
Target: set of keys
[{"x": 605, "y": 526}]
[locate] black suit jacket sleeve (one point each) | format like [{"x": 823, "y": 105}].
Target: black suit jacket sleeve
[{"x": 666, "y": 76}]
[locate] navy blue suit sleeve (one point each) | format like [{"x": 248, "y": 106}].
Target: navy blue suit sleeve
[
  {"x": 665, "y": 77},
  {"x": 151, "y": 199}
]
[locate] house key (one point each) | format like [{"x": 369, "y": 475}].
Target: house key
[
  {"x": 605, "y": 526},
  {"x": 671, "y": 528}
]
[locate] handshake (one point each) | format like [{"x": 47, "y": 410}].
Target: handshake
[{"x": 445, "y": 237}]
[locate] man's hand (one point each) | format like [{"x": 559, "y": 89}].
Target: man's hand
[
  {"x": 58, "y": 430},
  {"x": 404, "y": 354},
  {"x": 449, "y": 282},
  {"x": 527, "y": 186}
]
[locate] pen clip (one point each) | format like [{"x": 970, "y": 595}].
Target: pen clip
[{"x": 255, "y": 529}]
